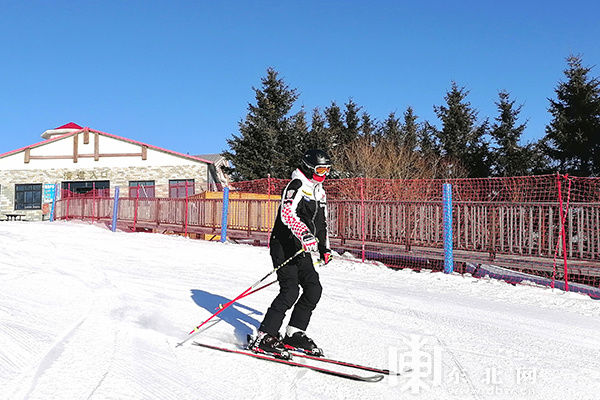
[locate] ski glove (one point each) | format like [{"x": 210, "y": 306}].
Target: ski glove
[
  {"x": 326, "y": 258},
  {"x": 309, "y": 241}
]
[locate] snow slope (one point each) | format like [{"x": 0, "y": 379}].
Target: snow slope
[{"x": 90, "y": 314}]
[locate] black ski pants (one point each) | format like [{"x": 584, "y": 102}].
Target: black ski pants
[{"x": 298, "y": 272}]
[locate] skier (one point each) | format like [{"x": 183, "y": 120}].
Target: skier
[{"x": 300, "y": 224}]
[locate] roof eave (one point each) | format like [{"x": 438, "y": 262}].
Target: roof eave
[{"x": 31, "y": 146}]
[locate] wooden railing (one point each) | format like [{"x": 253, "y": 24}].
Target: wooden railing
[
  {"x": 503, "y": 228},
  {"x": 530, "y": 229}
]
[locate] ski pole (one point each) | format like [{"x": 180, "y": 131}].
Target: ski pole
[
  {"x": 248, "y": 294},
  {"x": 244, "y": 293},
  {"x": 318, "y": 263}
]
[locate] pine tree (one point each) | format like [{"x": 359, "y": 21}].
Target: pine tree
[
  {"x": 317, "y": 135},
  {"x": 427, "y": 142},
  {"x": 352, "y": 122},
  {"x": 368, "y": 127},
  {"x": 335, "y": 124},
  {"x": 342, "y": 132},
  {"x": 410, "y": 129},
  {"x": 391, "y": 129},
  {"x": 461, "y": 140},
  {"x": 458, "y": 121},
  {"x": 266, "y": 134},
  {"x": 573, "y": 135},
  {"x": 477, "y": 158},
  {"x": 538, "y": 160},
  {"x": 295, "y": 143},
  {"x": 509, "y": 158}
]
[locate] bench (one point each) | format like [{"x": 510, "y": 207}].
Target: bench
[{"x": 14, "y": 217}]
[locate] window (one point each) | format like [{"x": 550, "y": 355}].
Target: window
[
  {"x": 28, "y": 196},
  {"x": 177, "y": 187},
  {"x": 85, "y": 188},
  {"x": 145, "y": 189}
]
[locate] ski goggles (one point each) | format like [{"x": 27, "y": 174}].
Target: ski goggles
[{"x": 322, "y": 170}]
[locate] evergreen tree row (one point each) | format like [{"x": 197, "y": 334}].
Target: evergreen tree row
[{"x": 272, "y": 139}]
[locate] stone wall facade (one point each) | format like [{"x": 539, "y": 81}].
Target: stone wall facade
[{"x": 117, "y": 177}]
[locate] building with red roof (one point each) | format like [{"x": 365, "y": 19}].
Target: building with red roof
[{"x": 79, "y": 159}]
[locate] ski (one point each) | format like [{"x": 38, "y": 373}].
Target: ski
[
  {"x": 301, "y": 353},
  {"x": 362, "y": 378}
]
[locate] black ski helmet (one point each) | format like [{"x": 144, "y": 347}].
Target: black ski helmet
[{"x": 311, "y": 159}]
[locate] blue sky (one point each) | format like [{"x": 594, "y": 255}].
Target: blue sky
[{"x": 179, "y": 74}]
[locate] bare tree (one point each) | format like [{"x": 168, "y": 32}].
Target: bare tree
[{"x": 362, "y": 158}]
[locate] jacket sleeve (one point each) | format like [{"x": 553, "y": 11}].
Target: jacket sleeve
[
  {"x": 322, "y": 231},
  {"x": 289, "y": 203}
]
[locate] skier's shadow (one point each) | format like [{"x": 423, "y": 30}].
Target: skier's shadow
[{"x": 236, "y": 315}]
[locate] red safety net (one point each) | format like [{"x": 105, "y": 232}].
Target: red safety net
[
  {"x": 535, "y": 229},
  {"x": 509, "y": 228}
]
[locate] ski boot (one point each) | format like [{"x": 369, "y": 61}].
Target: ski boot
[
  {"x": 264, "y": 343},
  {"x": 296, "y": 339}
]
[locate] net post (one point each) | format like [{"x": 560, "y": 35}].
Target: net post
[
  {"x": 447, "y": 210},
  {"x": 53, "y": 208},
  {"x": 115, "y": 210},
  {"x": 224, "y": 214}
]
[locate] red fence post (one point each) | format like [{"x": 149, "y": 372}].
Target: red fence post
[
  {"x": 93, "y": 200},
  {"x": 186, "y": 208},
  {"x": 135, "y": 210},
  {"x": 563, "y": 218},
  {"x": 362, "y": 215},
  {"x": 68, "y": 200},
  {"x": 269, "y": 222},
  {"x": 157, "y": 210}
]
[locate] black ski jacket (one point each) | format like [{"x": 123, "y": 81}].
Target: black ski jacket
[{"x": 303, "y": 208}]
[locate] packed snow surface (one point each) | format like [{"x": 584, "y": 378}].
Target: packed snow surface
[{"x": 86, "y": 313}]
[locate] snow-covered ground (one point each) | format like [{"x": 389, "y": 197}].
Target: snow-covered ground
[{"x": 90, "y": 314}]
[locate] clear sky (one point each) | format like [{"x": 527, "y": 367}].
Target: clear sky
[{"x": 180, "y": 74}]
